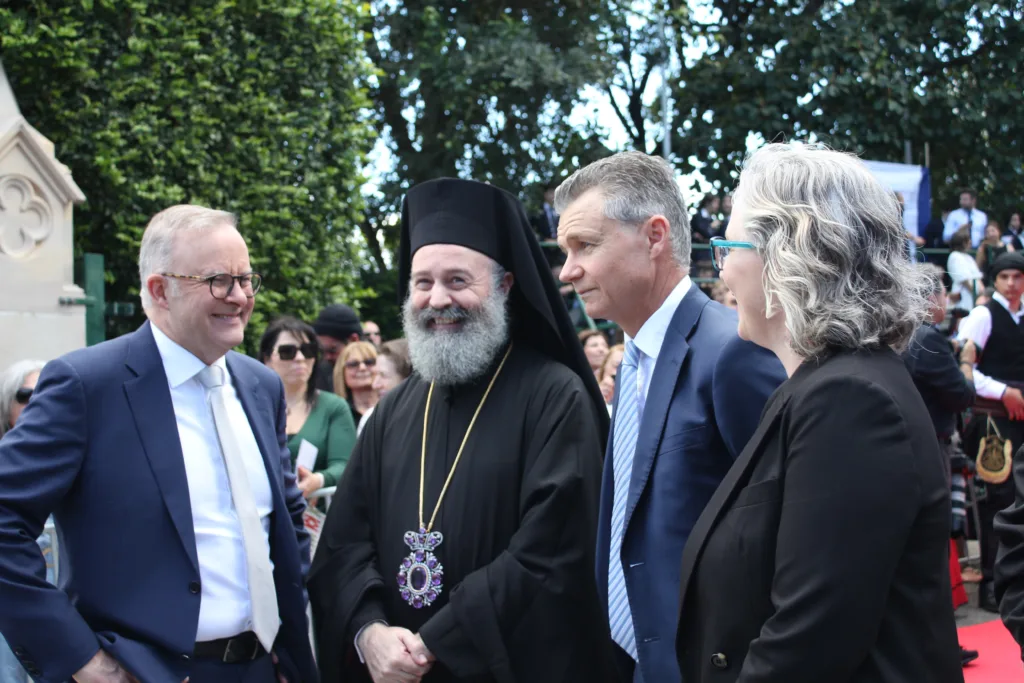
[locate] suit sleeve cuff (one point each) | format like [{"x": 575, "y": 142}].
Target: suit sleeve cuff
[{"x": 359, "y": 650}]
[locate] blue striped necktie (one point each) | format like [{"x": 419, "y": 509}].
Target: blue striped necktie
[{"x": 627, "y": 426}]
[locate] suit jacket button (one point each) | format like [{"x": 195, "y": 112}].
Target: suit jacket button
[
  {"x": 185, "y": 657},
  {"x": 193, "y": 588},
  {"x": 719, "y": 661}
]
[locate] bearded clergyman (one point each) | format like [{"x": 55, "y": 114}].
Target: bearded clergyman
[{"x": 460, "y": 543}]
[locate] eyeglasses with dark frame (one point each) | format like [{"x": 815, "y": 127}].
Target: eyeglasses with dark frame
[
  {"x": 368, "y": 362},
  {"x": 222, "y": 284},
  {"x": 23, "y": 395},
  {"x": 310, "y": 351},
  {"x": 720, "y": 248}
]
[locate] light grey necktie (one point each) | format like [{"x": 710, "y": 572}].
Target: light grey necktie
[{"x": 262, "y": 592}]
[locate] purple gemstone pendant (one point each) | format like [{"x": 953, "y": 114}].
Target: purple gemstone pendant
[{"x": 420, "y": 574}]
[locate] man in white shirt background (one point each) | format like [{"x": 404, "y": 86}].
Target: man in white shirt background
[
  {"x": 996, "y": 330},
  {"x": 162, "y": 456},
  {"x": 968, "y": 215}
]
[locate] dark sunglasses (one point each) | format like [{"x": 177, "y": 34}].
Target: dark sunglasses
[
  {"x": 23, "y": 395},
  {"x": 288, "y": 351},
  {"x": 353, "y": 364}
]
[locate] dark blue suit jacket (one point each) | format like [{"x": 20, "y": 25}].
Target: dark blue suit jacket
[
  {"x": 98, "y": 448},
  {"x": 703, "y": 404}
]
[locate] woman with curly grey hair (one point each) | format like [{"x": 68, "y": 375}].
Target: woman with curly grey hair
[{"x": 823, "y": 554}]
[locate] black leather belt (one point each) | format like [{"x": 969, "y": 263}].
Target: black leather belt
[{"x": 244, "y": 647}]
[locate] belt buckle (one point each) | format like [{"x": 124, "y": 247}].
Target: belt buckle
[{"x": 239, "y": 639}]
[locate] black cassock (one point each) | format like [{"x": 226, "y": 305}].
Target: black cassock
[{"x": 519, "y": 520}]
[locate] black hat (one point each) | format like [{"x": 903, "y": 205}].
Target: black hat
[
  {"x": 493, "y": 222},
  {"x": 1011, "y": 260},
  {"x": 338, "y": 321}
]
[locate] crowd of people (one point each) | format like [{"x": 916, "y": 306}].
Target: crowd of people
[{"x": 752, "y": 489}]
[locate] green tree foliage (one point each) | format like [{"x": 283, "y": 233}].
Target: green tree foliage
[
  {"x": 253, "y": 106},
  {"x": 864, "y": 76},
  {"x": 481, "y": 90}
]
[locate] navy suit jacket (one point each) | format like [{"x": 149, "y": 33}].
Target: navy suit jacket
[
  {"x": 703, "y": 404},
  {"x": 98, "y": 447}
]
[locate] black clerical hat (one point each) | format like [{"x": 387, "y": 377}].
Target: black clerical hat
[
  {"x": 1011, "y": 260},
  {"x": 493, "y": 222}
]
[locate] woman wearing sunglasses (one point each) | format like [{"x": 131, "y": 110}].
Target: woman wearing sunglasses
[
  {"x": 16, "y": 385},
  {"x": 290, "y": 348},
  {"x": 354, "y": 375}
]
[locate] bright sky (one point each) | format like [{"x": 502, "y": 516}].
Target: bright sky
[{"x": 594, "y": 107}]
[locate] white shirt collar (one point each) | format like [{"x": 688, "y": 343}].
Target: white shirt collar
[
  {"x": 1005, "y": 303},
  {"x": 652, "y": 334},
  {"x": 180, "y": 365}
]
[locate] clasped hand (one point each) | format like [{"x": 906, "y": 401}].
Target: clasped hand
[{"x": 394, "y": 655}]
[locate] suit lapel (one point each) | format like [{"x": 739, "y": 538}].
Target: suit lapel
[
  {"x": 674, "y": 350},
  {"x": 258, "y": 412},
  {"x": 724, "y": 492},
  {"x": 149, "y": 399}
]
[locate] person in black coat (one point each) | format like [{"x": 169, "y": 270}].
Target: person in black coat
[
  {"x": 823, "y": 555},
  {"x": 947, "y": 389}
]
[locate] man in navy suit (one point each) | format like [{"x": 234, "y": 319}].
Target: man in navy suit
[
  {"x": 162, "y": 457},
  {"x": 688, "y": 398}
]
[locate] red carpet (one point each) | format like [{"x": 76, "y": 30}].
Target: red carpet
[{"x": 999, "y": 660}]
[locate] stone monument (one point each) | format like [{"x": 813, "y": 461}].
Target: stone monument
[{"x": 41, "y": 316}]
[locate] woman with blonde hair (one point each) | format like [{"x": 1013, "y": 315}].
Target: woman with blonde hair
[
  {"x": 354, "y": 375},
  {"x": 823, "y": 554}
]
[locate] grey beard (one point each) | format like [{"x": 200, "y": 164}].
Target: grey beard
[{"x": 452, "y": 358}]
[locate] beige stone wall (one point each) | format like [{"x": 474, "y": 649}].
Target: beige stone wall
[{"x": 37, "y": 198}]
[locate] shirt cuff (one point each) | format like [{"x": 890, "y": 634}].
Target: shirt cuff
[
  {"x": 358, "y": 649},
  {"x": 992, "y": 390}
]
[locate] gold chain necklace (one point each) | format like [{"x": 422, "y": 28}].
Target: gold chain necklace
[{"x": 420, "y": 574}]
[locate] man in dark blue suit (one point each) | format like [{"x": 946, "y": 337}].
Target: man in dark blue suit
[
  {"x": 689, "y": 392},
  {"x": 162, "y": 457}
]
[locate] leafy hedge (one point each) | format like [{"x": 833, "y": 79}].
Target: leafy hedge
[{"x": 253, "y": 106}]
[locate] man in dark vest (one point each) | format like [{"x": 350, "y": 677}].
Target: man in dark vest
[{"x": 996, "y": 330}]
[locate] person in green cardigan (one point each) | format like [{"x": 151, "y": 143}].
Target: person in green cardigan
[{"x": 324, "y": 420}]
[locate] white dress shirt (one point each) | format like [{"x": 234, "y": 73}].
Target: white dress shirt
[
  {"x": 956, "y": 219},
  {"x": 225, "y": 609},
  {"x": 963, "y": 271},
  {"x": 978, "y": 328},
  {"x": 651, "y": 336}
]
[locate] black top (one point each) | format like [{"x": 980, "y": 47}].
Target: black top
[
  {"x": 936, "y": 373},
  {"x": 824, "y": 554},
  {"x": 1003, "y": 355},
  {"x": 519, "y": 600},
  {"x": 325, "y": 376},
  {"x": 1009, "y": 568}
]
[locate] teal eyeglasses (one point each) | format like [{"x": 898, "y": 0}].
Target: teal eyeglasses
[{"x": 720, "y": 249}]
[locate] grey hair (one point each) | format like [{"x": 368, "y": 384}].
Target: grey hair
[
  {"x": 10, "y": 381},
  {"x": 833, "y": 244},
  {"x": 635, "y": 187},
  {"x": 934, "y": 283},
  {"x": 156, "y": 255}
]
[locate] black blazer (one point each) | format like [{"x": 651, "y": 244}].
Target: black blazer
[
  {"x": 1009, "y": 525},
  {"x": 936, "y": 373},
  {"x": 823, "y": 556}
]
